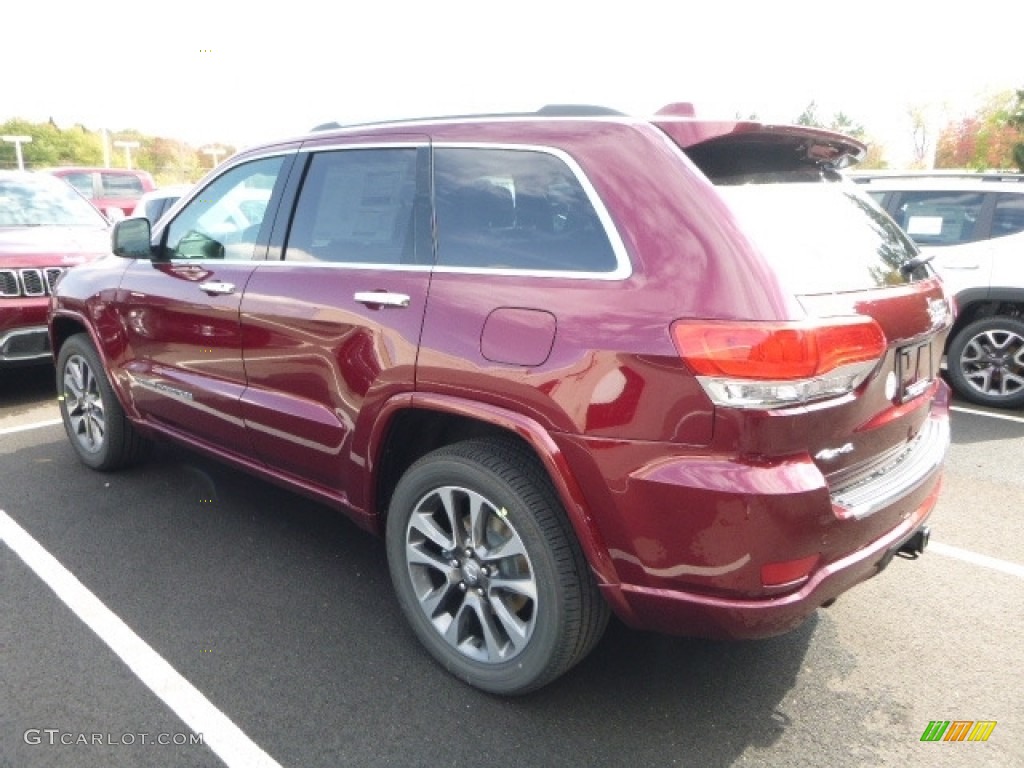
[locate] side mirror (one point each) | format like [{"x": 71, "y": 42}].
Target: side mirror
[{"x": 130, "y": 239}]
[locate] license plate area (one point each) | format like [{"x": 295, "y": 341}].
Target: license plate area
[{"x": 915, "y": 371}]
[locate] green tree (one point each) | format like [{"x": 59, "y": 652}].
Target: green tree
[
  {"x": 1015, "y": 119},
  {"x": 989, "y": 138},
  {"x": 51, "y": 146}
]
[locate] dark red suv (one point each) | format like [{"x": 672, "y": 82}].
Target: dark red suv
[{"x": 564, "y": 362}]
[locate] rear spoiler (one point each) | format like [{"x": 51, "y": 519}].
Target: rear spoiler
[{"x": 733, "y": 148}]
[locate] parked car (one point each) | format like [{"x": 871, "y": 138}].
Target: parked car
[
  {"x": 157, "y": 202},
  {"x": 45, "y": 227},
  {"x": 115, "y": 191},
  {"x": 972, "y": 226},
  {"x": 565, "y": 363}
]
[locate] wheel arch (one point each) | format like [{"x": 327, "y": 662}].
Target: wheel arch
[
  {"x": 412, "y": 425},
  {"x": 977, "y": 303},
  {"x": 62, "y": 326}
]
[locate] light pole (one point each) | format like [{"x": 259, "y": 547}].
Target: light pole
[
  {"x": 17, "y": 141},
  {"x": 214, "y": 152},
  {"x": 128, "y": 146}
]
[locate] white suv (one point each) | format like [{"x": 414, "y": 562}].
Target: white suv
[{"x": 972, "y": 224}]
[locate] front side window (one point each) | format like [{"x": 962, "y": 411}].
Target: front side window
[
  {"x": 1009, "y": 215},
  {"x": 80, "y": 181},
  {"x": 225, "y": 219},
  {"x": 516, "y": 209},
  {"x": 357, "y": 206},
  {"x": 934, "y": 218}
]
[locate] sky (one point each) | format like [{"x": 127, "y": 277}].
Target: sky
[{"x": 241, "y": 73}]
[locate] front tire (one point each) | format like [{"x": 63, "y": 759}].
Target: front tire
[
  {"x": 487, "y": 569},
  {"x": 985, "y": 361},
  {"x": 95, "y": 423}
]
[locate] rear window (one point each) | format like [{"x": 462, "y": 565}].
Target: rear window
[{"x": 822, "y": 237}]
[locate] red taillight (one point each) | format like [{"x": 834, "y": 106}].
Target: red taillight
[
  {"x": 780, "y": 351},
  {"x": 787, "y": 572},
  {"x": 747, "y": 364}
]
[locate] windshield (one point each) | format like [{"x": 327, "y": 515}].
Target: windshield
[
  {"x": 43, "y": 201},
  {"x": 823, "y": 237}
]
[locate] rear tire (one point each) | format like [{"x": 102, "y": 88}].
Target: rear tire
[
  {"x": 487, "y": 569},
  {"x": 94, "y": 420},
  {"x": 985, "y": 361}
]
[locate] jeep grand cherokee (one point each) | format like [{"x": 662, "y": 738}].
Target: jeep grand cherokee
[{"x": 565, "y": 363}]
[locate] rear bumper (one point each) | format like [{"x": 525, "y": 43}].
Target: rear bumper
[
  {"x": 691, "y": 538},
  {"x": 674, "y": 612}
]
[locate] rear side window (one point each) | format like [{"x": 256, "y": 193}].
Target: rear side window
[
  {"x": 822, "y": 237},
  {"x": 1009, "y": 215},
  {"x": 515, "y": 209},
  {"x": 357, "y": 207},
  {"x": 935, "y": 218},
  {"x": 121, "y": 185}
]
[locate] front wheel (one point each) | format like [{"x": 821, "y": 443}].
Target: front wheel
[
  {"x": 95, "y": 423},
  {"x": 986, "y": 362},
  {"x": 487, "y": 569}
]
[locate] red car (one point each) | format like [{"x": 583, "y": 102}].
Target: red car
[
  {"x": 565, "y": 363},
  {"x": 45, "y": 227},
  {"x": 115, "y": 191}
]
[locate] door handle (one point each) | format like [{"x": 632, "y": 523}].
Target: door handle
[
  {"x": 382, "y": 299},
  {"x": 217, "y": 288}
]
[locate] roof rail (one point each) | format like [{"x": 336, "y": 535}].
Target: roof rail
[
  {"x": 867, "y": 176},
  {"x": 576, "y": 110}
]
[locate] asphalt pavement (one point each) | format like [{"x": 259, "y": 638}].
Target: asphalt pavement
[{"x": 276, "y": 620}]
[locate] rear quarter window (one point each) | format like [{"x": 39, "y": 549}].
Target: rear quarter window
[
  {"x": 1009, "y": 215},
  {"x": 518, "y": 210}
]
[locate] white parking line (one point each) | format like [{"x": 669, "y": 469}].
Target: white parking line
[
  {"x": 976, "y": 412},
  {"x": 220, "y": 734},
  {"x": 28, "y": 427},
  {"x": 973, "y": 557}
]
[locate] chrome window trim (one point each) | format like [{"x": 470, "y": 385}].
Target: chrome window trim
[
  {"x": 307, "y": 148},
  {"x": 622, "y": 271}
]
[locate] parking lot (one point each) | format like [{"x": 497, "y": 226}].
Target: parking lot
[{"x": 214, "y": 619}]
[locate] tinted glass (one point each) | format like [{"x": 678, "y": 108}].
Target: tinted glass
[
  {"x": 512, "y": 209},
  {"x": 1009, "y": 215},
  {"x": 940, "y": 218},
  {"x": 356, "y": 206},
  {"x": 225, "y": 219},
  {"x": 44, "y": 201},
  {"x": 121, "y": 185},
  {"x": 80, "y": 181},
  {"x": 822, "y": 237}
]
